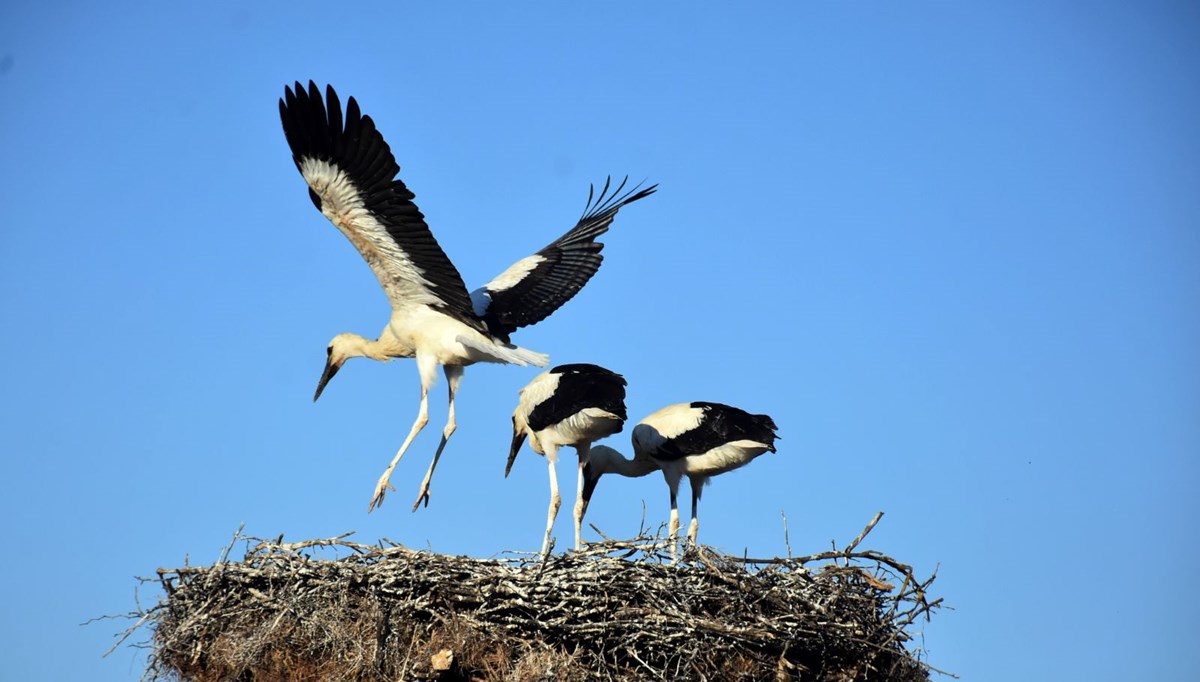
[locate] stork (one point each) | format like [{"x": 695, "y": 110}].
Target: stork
[
  {"x": 698, "y": 440},
  {"x": 574, "y": 405},
  {"x": 351, "y": 177}
]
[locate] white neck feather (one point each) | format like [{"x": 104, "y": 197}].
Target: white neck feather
[{"x": 355, "y": 346}]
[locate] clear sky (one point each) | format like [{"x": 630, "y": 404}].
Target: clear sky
[{"x": 952, "y": 248}]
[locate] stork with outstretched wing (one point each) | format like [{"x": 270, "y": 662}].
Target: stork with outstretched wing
[{"x": 351, "y": 176}]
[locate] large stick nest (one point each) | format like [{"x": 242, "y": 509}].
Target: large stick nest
[{"x": 618, "y": 610}]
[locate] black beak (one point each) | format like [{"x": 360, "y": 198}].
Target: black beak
[
  {"x": 331, "y": 368},
  {"x": 518, "y": 441}
]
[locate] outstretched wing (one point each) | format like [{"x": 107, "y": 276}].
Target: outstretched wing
[
  {"x": 537, "y": 285},
  {"x": 351, "y": 176}
]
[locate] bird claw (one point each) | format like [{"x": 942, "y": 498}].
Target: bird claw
[
  {"x": 422, "y": 497},
  {"x": 381, "y": 489},
  {"x": 376, "y": 501}
]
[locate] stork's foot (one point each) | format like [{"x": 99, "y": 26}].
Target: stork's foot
[
  {"x": 381, "y": 489},
  {"x": 422, "y": 497}
]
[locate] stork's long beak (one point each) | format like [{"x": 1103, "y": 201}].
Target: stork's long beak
[
  {"x": 518, "y": 441},
  {"x": 589, "y": 485},
  {"x": 331, "y": 368}
]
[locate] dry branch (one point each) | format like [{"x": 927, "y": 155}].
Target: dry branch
[{"x": 616, "y": 611}]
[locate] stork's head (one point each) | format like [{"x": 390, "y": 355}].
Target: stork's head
[
  {"x": 601, "y": 460},
  {"x": 341, "y": 348},
  {"x": 641, "y": 438}
]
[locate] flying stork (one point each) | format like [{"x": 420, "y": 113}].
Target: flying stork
[
  {"x": 697, "y": 439},
  {"x": 574, "y": 405},
  {"x": 351, "y": 176}
]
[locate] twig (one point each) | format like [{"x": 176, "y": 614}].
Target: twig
[
  {"x": 125, "y": 635},
  {"x": 786, "y": 540},
  {"x": 337, "y": 540},
  {"x": 236, "y": 536},
  {"x": 865, "y": 531}
]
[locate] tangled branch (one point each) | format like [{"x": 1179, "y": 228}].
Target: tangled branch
[{"x": 618, "y": 610}]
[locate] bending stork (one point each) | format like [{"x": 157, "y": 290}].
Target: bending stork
[
  {"x": 574, "y": 405},
  {"x": 698, "y": 440},
  {"x": 351, "y": 176}
]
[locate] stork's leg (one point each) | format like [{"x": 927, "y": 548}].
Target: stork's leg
[
  {"x": 580, "y": 503},
  {"x": 673, "y": 527},
  {"x": 426, "y": 366},
  {"x": 555, "y": 499},
  {"x": 454, "y": 375},
  {"x": 697, "y": 488}
]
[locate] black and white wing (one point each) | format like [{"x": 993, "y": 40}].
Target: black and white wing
[
  {"x": 556, "y": 395},
  {"x": 351, "y": 176},
  {"x": 537, "y": 285},
  {"x": 577, "y": 387},
  {"x": 688, "y": 429}
]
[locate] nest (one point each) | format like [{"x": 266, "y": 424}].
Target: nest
[{"x": 618, "y": 610}]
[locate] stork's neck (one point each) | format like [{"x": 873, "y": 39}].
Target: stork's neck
[
  {"x": 605, "y": 460},
  {"x": 355, "y": 346}
]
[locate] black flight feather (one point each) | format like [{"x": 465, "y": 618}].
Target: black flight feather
[
  {"x": 566, "y": 265},
  {"x": 317, "y": 129}
]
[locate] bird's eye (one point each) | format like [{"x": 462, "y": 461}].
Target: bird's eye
[{"x": 329, "y": 352}]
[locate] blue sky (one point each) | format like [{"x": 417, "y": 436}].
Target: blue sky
[{"x": 953, "y": 249}]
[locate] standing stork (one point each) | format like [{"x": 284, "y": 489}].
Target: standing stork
[
  {"x": 351, "y": 176},
  {"x": 574, "y": 405},
  {"x": 699, "y": 440}
]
